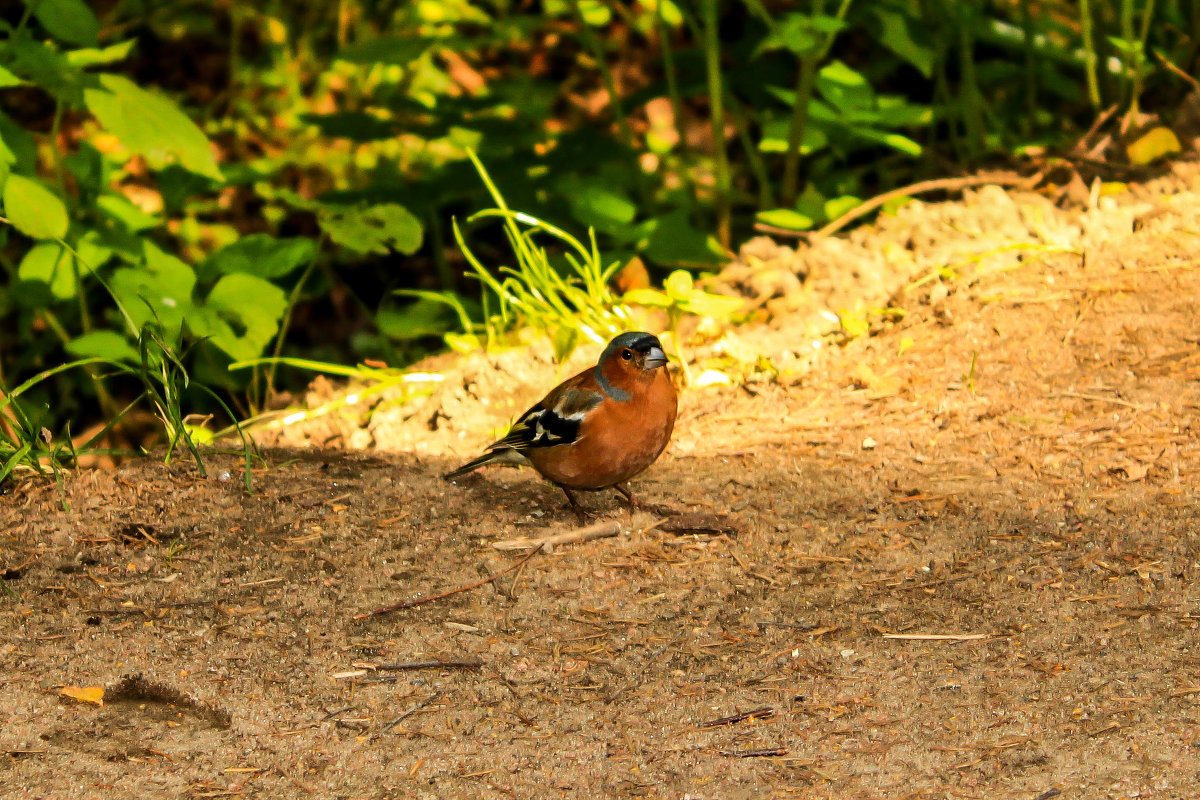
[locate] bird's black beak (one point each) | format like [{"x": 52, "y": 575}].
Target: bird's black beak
[{"x": 655, "y": 357}]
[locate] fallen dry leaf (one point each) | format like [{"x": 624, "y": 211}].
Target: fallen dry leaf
[{"x": 84, "y": 694}]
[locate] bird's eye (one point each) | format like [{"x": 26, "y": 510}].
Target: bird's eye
[{"x": 626, "y": 354}]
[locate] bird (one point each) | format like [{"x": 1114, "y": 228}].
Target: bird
[{"x": 598, "y": 429}]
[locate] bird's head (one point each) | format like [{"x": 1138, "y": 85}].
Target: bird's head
[{"x": 628, "y": 360}]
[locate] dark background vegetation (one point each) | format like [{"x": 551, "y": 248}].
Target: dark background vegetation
[{"x": 193, "y": 184}]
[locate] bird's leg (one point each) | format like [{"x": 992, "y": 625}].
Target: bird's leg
[
  {"x": 579, "y": 510},
  {"x": 624, "y": 490},
  {"x": 634, "y": 505}
]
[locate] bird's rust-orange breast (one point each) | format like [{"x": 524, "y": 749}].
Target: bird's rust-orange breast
[{"x": 618, "y": 440}]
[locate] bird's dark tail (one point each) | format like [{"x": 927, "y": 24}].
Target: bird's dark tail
[
  {"x": 470, "y": 466},
  {"x": 497, "y": 455}
]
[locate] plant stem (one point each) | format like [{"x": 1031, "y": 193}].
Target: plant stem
[
  {"x": 753, "y": 157},
  {"x": 1031, "y": 70},
  {"x": 593, "y": 43},
  {"x": 971, "y": 98},
  {"x": 1089, "y": 52},
  {"x": 805, "y": 78},
  {"x": 286, "y": 322},
  {"x": 672, "y": 76},
  {"x": 716, "y": 96},
  {"x": 437, "y": 235},
  {"x": 1139, "y": 61}
]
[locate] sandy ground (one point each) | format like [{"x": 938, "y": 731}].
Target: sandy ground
[{"x": 954, "y": 559}]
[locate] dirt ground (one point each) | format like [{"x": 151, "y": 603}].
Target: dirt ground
[{"x": 960, "y": 560}]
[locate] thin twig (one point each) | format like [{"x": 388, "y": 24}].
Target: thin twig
[
  {"x": 600, "y": 530},
  {"x": 937, "y": 637},
  {"x": 420, "y": 601},
  {"x": 597, "y": 531},
  {"x": 766, "y": 712},
  {"x": 938, "y": 184},
  {"x": 414, "y": 708},
  {"x": 766, "y": 752},
  {"x": 1167, "y": 63},
  {"x": 433, "y": 663}
]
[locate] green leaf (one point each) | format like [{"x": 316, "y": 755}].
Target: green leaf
[
  {"x": 69, "y": 20},
  {"x": 374, "y": 229},
  {"x": 151, "y": 125},
  {"x": 51, "y": 264},
  {"x": 18, "y": 145},
  {"x": 105, "y": 344},
  {"x": 251, "y": 307},
  {"x": 91, "y": 56},
  {"x": 896, "y": 34},
  {"x": 785, "y": 218},
  {"x": 596, "y": 205},
  {"x": 33, "y": 209},
  {"x": 1154, "y": 144},
  {"x": 776, "y": 132},
  {"x": 47, "y": 68},
  {"x": 564, "y": 340},
  {"x": 7, "y": 78},
  {"x": 646, "y": 297},
  {"x": 845, "y": 88},
  {"x": 802, "y": 34},
  {"x": 262, "y": 255},
  {"x": 594, "y": 13},
  {"x": 91, "y": 253},
  {"x": 385, "y": 50},
  {"x": 704, "y": 304},
  {"x": 892, "y": 140},
  {"x": 130, "y": 217},
  {"x": 836, "y": 206},
  {"x": 673, "y": 241},
  {"x": 679, "y": 285},
  {"x": 160, "y": 287},
  {"x": 425, "y": 317}
]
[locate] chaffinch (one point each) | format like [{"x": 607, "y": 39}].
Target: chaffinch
[{"x": 598, "y": 429}]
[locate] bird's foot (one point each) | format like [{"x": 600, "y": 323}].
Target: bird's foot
[
  {"x": 582, "y": 514},
  {"x": 637, "y": 505}
]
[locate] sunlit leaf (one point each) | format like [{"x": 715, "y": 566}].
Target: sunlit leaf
[
  {"x": 252, "y": 308},
  {"x": 776, "y": 132},
  {"x": 103, "y": 344},
  {"x": 33, "y": 209},
  {"x": 374, "y": 229},
  {"x": 160, "y": 287},
  {"x": 565, "y": 340},
  {"x": 1151, "y": 146},
  {"x": 91, "y": 56},
  {"x": 679, "y": 285},
  {"x": 150, "y": 124},
  {"x": 51, "y": 264},
  {"x": 785, "y": 218},
  {"x": 836, "y": 206}
]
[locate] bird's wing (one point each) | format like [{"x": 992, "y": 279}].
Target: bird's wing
[{"x": 554, "y": 421}]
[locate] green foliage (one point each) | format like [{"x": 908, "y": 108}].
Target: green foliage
[
  {"x": 569, "y": 304},
  {"x": 216, "y": 172},
  {"x": 680, "y": 296}
]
